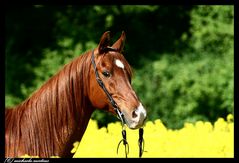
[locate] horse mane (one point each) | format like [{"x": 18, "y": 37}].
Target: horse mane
[{"x": 33, "y": 126}]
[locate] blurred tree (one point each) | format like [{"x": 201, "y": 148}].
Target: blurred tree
[{"x": 198, "y": 83}]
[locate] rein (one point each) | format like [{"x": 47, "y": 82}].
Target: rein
[{"x": 120, "y": 115}]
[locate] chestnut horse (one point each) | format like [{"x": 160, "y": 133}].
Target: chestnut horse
[{"x": 57, "y": 114}]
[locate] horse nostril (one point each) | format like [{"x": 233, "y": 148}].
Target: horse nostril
[{"x": 134, "y": 114}]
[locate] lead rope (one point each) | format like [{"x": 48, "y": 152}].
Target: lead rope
[
  {"x": 141, "y": 142},
  {"x": 125, "y": 143}
]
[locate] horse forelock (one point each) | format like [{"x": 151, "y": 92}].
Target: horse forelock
[{"x": 41, "y": 124}]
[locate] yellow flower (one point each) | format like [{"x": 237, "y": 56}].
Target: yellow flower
[
  {"x": 230, "y": 118},
  {"x": 202, "y": 139}
]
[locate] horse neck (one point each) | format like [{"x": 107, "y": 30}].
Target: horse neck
[{"x": 58, "y": 113}]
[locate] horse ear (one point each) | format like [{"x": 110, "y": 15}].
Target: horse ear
[
  {"x": 104, "y": 42},
  {"x": 119, "y": 44}
]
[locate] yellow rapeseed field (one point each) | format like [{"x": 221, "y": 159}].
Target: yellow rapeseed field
[{"x": 201, "y": 139}]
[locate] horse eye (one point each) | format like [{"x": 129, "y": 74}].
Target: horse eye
[{"x": 106, "y": 73}]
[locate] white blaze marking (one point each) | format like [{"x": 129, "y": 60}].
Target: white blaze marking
[{"x": 119, "y": 63}]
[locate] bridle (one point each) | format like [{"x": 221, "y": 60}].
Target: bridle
[
  {"x": 101, "y": 84},
  {"x": 120, "y": 115}
]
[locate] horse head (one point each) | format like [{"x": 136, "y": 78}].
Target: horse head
[{"x": 115, "y": 72}]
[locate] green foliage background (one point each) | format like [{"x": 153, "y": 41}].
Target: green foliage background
[{"x": 182, "y": 56}]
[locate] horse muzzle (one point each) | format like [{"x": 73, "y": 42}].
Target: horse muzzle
[{"x": 137, "y": 118}]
